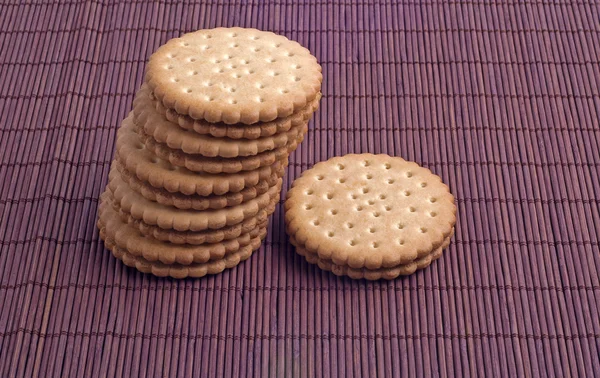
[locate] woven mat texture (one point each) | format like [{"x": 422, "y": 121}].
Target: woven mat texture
[{"x": 500, "y": 98}]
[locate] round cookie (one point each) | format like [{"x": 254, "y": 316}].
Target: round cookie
[
  {"x": 201, "y": 237},
  {"x": 118, "y": 233},
  {"x": 155, "y": 125},
  {"x": 195, "y": 202},
  {"x": 199, "y": 163},
  {"x": 373, "y": 274},
  {"x": 191, "y": 270},
  {"x": 384, "y": 273},
  {"x": 171, "y": 218},
  {"x": 369, "y": 211},
  {"x": 257, "y": 130},
  {"x": 234, "y": 75},
  {"x": 132, "y": 153}
]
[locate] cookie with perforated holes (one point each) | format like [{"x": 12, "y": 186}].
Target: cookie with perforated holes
[
  {"x": 234, "y": 75},
  {"x": 363, "y": 213}
]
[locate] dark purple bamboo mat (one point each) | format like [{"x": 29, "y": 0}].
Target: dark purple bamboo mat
[{"x": 500, "y": 98}]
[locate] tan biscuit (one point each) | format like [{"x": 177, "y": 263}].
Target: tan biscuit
[
  {"x": 199, "y": 163},
  {"x": 196, "y": 202},
  {"x": 257, "y": 130},
  {"x": 150, "y": 122},
  {"x": 191, "y": 270},
  {"x": 171, "y": 218},
  {"x": 117, "y": 233},
  {"x": 176, "y": 270},
  {"x": 373, "y": 274},
  {"x": 384, "y": 273},
  {"x": 201, "y": 237},
  {"x": 132, "y": 153},
  {"x": 234, "y": 75},
  {"x": 369, "y": 211}
]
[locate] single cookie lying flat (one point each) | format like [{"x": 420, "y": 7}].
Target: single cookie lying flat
[
  {"x": 195, "y": 202},
  {"x": 171, "y": 218},
  {"x": 369, "y": 211},
  {"x": 153, "y": 124},
  {"x": 234, "y": 75},
  {"x": 132, "y": 153}
]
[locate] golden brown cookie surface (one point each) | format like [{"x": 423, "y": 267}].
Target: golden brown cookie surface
[
  {"x": 369, "y": 211},
  {"x": 234, "y": 75}
]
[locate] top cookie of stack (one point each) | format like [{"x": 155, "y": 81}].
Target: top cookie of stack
[
  {"x": 200, "y": 158},
  {"x": 227, "y": 99},
  {"x": 234, "y": 76}
]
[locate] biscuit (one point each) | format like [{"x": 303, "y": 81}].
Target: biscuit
[
  {"x": 373, "y": 274},
  {"x": 201, "y": 237},
  {"x": 195, "y": 270},
  {"x": 133, "y": 155},
  {"x": 117, "y": 233},
  {"x": 369, "y": 211},
  {"x": 234, "y": 75},
  {"x": 196, "y": 202},
  {"x": 257, "y": 130},
  {"x": 168, "y": 217},
  {"x": 150, "y": 122},
  {"x": 199, "y": 163}
]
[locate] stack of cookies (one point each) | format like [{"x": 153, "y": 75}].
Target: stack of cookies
[
  {"x": 370, "y": 216},
  {"x": 199, "y": 160}
]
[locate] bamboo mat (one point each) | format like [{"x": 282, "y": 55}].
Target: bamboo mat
[{"x": 500, "y": 98}]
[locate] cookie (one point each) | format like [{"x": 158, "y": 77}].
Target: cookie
[
  {"x": 171, "y": 218},
  {"x": 369, "y": 211},
  {"x": 191, "y": 270},
  {"x": 133, "y": 155},
  {"x": 153, "y": 124},
  {"x": 199, "y": 163},
  {"x": 195, "y": 202},
  {"x": 234, "y": 75},
  {"x": 257, "y": 130},
  {"x": 373, "y": 274},
  {"x": 117, "y": 233},
  {"x": 201, "y": 237}
]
